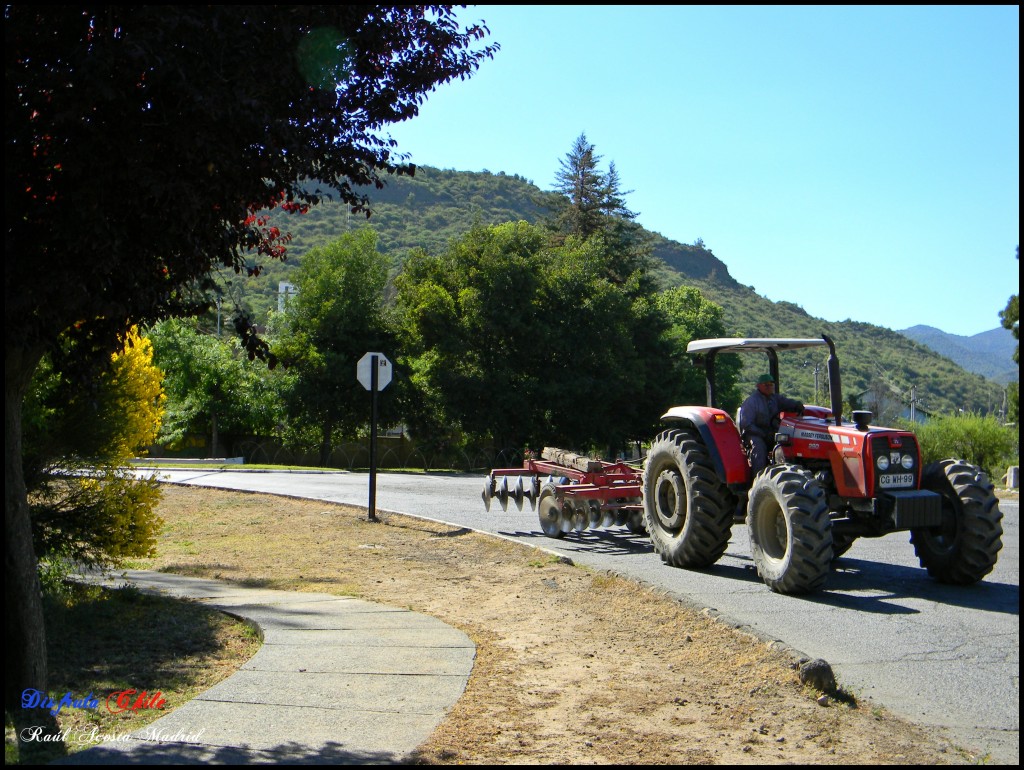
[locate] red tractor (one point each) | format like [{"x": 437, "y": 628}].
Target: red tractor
[{"x": 830, "y": 481}]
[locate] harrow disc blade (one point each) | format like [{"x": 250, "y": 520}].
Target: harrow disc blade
[
  {"x": 503, "y": 493},
  {"x": 517, "y": 493},
  {"x": 580, "y": 515},
  {"x": 594, "y": 516},
  {"x": 550, "y": 517},
  {"x": 533, "y": 492},
  {"x": 488, "y": 493},
  {"x": 579, "y": 521},
  {"x": 565, "y": 519}
]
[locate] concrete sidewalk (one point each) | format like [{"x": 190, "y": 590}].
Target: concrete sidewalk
[{"x": 337, "y": 681}]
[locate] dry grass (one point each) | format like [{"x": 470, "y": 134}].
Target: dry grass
[{"x": 573, "y": 666}]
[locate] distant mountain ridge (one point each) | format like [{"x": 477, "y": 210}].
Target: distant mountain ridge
[{"x": 989, "y": 354}]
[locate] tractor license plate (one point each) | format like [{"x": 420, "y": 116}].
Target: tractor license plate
[{"x": 895, "y": 480}]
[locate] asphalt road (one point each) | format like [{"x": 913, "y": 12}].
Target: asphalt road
[{"x": 942, "y": 656}]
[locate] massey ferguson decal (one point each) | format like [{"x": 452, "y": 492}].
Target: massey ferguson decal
[{"x": 813, "y": 435}]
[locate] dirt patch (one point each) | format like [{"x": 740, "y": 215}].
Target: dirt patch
[{"x": 573, "y": 666}]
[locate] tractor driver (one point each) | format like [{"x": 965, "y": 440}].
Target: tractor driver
[{"x": 759, "y": 419}]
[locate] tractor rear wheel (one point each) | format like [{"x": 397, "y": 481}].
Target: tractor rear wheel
[
  {"x": 549, "y": 512},
  {"x": 790, "y": 530},
  {"x": 964, "y": 548},
  {"x": 686, "y": 507}
]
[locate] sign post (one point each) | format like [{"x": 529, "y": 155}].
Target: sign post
[{"x": 374, "y": 373}]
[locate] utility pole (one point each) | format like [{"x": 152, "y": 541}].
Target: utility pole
[{"x": 817, "y": 370}]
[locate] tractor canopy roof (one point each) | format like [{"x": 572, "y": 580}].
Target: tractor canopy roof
[{"x": 742, "y": 344}]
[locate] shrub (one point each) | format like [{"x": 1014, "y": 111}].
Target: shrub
[
  {"x": 86, "y": 504},
  {"x": 981, "y": 441}
]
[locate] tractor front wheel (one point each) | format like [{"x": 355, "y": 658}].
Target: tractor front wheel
[
  {"x": 790, "y": 530},
  {"x": 686, "y": 506},
  {"x": 965, "y": 546}
]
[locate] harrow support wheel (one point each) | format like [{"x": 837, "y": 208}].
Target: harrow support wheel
[
  {"x": 635, "y": 523},
  {"x": 686, "y": 506},
  {"x": 790, "y": 530},
  {"x": 548, "y": 512},
  {"x": 841, "y": 544},
  {"x": 964, "y": 548}
]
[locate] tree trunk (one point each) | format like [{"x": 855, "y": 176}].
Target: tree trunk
[
  {"x": 214, "y": 435},
  {"x": 25, "y": 635},
  {"x": 325, "y": 443}
]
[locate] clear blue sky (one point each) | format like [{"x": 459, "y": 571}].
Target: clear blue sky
[{"x": 862, "y": 162}]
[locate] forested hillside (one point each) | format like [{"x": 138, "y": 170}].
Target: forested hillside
[
  {"x": 423, "y": 212},
  {"x": 428, "y": 210}
]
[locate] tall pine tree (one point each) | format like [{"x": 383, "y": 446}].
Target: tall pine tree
[
  {"x": 585, "y": 187},
  {"x": 596, "y": 206}
]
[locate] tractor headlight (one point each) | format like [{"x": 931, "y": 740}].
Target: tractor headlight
[
  {"x": 882, "y": 462},
  {"x": 907, "y": 461}
]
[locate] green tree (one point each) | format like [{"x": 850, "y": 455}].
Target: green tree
[
  {"x": 613, "y": 197},
  {"x": 580, "y": 180},
  {"x": 510, "y": 339},
  {"x": 595, "y": 206},
  {"x": 1010, "y": 319},
  {"x": 634, "y": 340},
  {"x": 694, "y": 317},
  {"x": 470, "y": 334},
  {"x": 588, "y": 354},
  {"x": 212, "y": 387},
  {"x": 338, "y": 316},
  {"x": 126, "y": 214}
]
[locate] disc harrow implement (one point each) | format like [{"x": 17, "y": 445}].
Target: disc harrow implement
[{"x": 570, "y": 492}]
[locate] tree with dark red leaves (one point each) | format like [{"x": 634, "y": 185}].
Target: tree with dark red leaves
[{"x": 143, "y": 147}]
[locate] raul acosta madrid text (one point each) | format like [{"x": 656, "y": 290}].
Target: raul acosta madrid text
[{"x": 90, "y": 735}]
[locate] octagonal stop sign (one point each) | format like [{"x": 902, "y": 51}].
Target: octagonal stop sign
[{"x": 365, "y": 367}]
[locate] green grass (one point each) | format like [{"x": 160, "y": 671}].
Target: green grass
[
  {"x": 104, "y": 641},
  {"x": 169, "y": 463}
]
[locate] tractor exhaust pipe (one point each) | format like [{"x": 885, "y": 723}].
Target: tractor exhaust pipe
[{"x": 835, "y": 387}]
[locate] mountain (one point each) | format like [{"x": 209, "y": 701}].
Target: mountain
[
  {"x": 435, "y": 206},
  {"x": 989, "y": 354}
]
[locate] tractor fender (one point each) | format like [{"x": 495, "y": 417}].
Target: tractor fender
[{"x": 720, "y": 436}]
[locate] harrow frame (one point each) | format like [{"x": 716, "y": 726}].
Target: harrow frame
[{"x": 615, "y": 487}]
